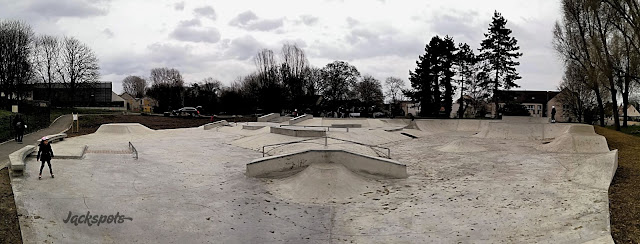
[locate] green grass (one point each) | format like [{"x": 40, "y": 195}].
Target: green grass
[{"x": 631, "y": 130}]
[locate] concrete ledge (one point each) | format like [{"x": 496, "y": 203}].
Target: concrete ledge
[
  {"x": 394, "y": 129},
  {"x": 16, "y": 158},
  {"x": 216, "y": 124},
  {"x": 298, "y": 132},
  {"x": 268, "y": 117},
  {"x": 526, "y": 119},
  {"x": 252, "y": 127},
  {"x": 346, "y": 126},
  {"x": 289, "y": 164},
  {"x": 300, "y": 119},
  {"x": 55, "y": 137}
]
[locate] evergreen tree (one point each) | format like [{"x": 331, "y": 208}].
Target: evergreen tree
[
  {"x": 433, "y": 76},
  {"x": 499, "y": 50},
  {"x": 465, "y": 63}
]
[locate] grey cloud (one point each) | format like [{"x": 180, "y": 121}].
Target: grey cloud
[
  {"x": 248, "y": 20},
  {"x": 189, "y": 31},
  {"x": 243, "y": 48},
  {"x": 462, "y": 26},
  {"x": 309, "y": 20},
  {"x": 362, "y": 43},
  {"x": 108, "y": 32},
  {"x": 206, "y": 11},
  {"x": 179, "y": 6},
  {"x": 351, "y": 22},
  {"x": 67, "y": 8},
  {"x": 210, "y": 35},
  {"x": 190, "y": 23}
]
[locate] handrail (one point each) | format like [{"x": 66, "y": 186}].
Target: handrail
[
  {"x": 287, "y": 143},
  {"x": 325, "y": 143},
  {"x": 133, "y": 149},
  {"x": 362, "y": 144}
]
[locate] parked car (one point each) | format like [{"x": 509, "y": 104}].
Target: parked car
[{"x": 186, "y": 111}]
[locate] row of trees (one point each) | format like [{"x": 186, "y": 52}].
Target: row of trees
[
  {"x": 445, "y": 65},
  {"x": 28, "y": 59},
  {"x": 280, "y": 83},
  {"x": 599, "y": 41}
]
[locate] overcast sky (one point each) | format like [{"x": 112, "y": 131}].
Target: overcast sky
[{"x": 219, "y": 38}]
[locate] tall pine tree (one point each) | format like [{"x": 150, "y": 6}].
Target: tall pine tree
[
  {"x": 465, "y": 63},
  {"x": 499, "y": 50},
  {"x": 432, "y": 79}
]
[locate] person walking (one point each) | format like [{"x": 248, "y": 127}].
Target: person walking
[
  {"x": 19, "y": 126},
  {"x": 553, "y": 114},
  {"x": 45, "y": 153}
]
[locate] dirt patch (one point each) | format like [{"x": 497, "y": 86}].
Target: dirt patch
[
  {"x": 9, "y": 225},
  {"x": 90, "y": 123},
  {"x": 624, "y": 197}
]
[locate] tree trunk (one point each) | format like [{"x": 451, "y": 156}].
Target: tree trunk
[
  {"x": 461, "y": 108},
  {"x": 614, "y": 100},
  {"x": 600, "y": 105},
  {"x": 625, "y": 100}
]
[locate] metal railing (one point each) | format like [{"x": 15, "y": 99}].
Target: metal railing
[
  {"x": 134, "y": 150},
  {"x": 373, "y": 147},
  {"x": 289, "y": 143}
]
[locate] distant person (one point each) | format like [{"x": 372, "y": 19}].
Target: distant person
[
  {"x": 19, "y": 126},
  {"x": 411, "y": 117},
  {"x": 553, "y": 114},
  {"x": 45, "y": 153}
]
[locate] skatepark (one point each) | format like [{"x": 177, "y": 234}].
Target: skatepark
[{"x": 320, "y": 180}]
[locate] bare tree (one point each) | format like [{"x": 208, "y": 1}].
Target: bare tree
[
  {"x": 16, "y": 52},
  {"x": 292, "y": 70},
  {"x": 394, "y": 87},
  {"x": 79, "y": 66},
  {"x": 47, "y": 60},
  {"x": 167, "y": 87},
  {"x": 166, "y": 76},
  {"x": 573, "y": 40},
  {"x": 575, "y": 94},
  {"x": 134, "y": 85}
]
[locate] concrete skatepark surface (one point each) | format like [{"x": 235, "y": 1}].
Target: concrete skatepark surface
[{"x": 189, "y": 185}]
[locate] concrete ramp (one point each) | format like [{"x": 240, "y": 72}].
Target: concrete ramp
[
  {"x": 448, "y": 125},
  {"x": 322, "y": 183},
  {"x": 289, "y": 164},
  {"x": 577, "y": 139},
  {"x": 123, "y": 128},
  {"x": 525, "y": 119},
  {"x": 596, "y": 172},
  {"x": 522, "y": 131}
]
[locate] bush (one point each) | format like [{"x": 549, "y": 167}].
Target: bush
[{"x": 515, "y": 109}]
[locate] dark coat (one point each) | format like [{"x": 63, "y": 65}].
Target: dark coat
[
  {"x": 45, "y": 153},
  {"x": 19, "y": 124}
]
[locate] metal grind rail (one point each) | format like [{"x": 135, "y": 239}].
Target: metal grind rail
[
  {"x": 373, "y": 147},
  {"x": 288, "y": 143},
  {"x": 134, "y": 150}
]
